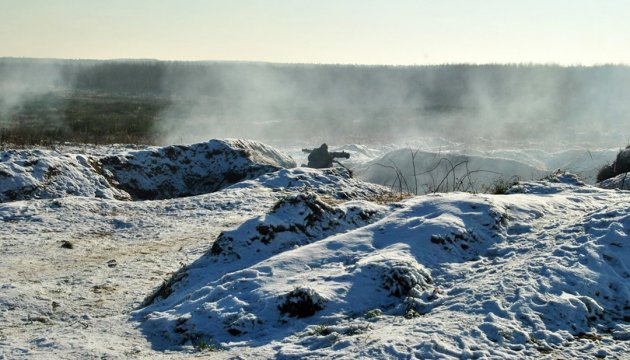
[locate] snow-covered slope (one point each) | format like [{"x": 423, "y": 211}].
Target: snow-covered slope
[
  {"x": 582, "y": 161},
  {"x": 333, "y": 182},
  {"x": 621, "y": 181},
  {"x": 443, "y": 171},
  {"x": 72, "y": 268},
  {"x": 179, "y": 170},
  {"x": 44, "y": 174},
  {"x": 306, "y": 263},
  {"x": 153, "y": 173},
  {"x": 540, "y": 272}
]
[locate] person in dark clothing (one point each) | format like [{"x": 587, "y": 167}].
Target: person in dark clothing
[
  {"x": 621, "y": 165},
  {"x": 320, "y": 158}
]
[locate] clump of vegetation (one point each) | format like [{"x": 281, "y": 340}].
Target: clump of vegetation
[
  {"x": 401, "y": 277},
  {"x": 67, "y": 245},
  {"x": 411, "y": 313},
  {"x": 301, "y": 302},
  {"x": 166, "y": 289},
  {"x": 390, "y": 197},
  {"x": 202, "y": 346},
  {"x": 501, "y": 186},
  {"x": 606, "y": 172},
  {"x": 374, "y": 313},
  {"x": 445, "y": 174},
  {"x": 322, "y": 330}
]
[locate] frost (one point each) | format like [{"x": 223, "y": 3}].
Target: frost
[{"x": 304, "y": 263}]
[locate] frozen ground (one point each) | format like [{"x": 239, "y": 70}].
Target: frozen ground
[{"x": 302, "y": 263}]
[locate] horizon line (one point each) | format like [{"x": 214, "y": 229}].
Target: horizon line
[{"x": 261, "y": 62}]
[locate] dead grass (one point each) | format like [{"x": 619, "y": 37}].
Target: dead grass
[
  {"x": 391, "y": 197},
  {"x": 83, "y": 117}
]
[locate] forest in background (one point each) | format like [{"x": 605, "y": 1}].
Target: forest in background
[{"x": 153, "y": 102}]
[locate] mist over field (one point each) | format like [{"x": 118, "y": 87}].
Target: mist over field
[
  {"x": 460, "y": 102},
  {"x": 288, "y": 179},
  {"x": 21, "y": 81},
  {"x": 469, "y": 208},
  {"x": 195, "y": 101}
]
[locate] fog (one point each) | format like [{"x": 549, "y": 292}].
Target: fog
[
  {"x": 545, "y": 104},
  {"x": 22, "y": 81},
  {"x": 287, "y": 103}
]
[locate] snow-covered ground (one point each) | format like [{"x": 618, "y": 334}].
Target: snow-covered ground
[
  {"x": 305, "y": 263},
  {"x": 479, "y": 165}
]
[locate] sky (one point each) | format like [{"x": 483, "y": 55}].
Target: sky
[{"x": 394, "y": 32}]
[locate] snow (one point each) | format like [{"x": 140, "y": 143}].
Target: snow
[
  {"x": 621, "y": 181},
  {"x": 487, "y": 160},
  {"x": 334, "y": 182},
  {"x": 36, "y": 174},
  {"x": 147, "y": 174},
  {"x": 179, "y": 170},
  {"x": 443, "y": 171},
  {"x": 304, "y": 263}
]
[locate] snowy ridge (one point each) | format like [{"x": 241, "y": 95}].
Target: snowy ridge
[
  {"x": 621, "y": 181},
  {"x": 43, "y": 174},
  {"x": 155, "y": 173},
  {"x": 529, "y": 274},
  {"x": 302, "y": 263},
  {"x": 294, "y": 221},
  {"x": 178, "y": 170},
  {"x": 583, "y": 162},
  {"x": 376, "y": 268},
  {"x": 333, "y": 182},
  {"x": 555, "y": 182}
]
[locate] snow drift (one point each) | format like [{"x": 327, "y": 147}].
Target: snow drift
[
  {"x": 621, "y": 181},
  {"x": 539, "y": 271},
  {"x": 177, "y": 171},
  {"x": 44, "y": 174},
  {"x": 302, "y": 263}
]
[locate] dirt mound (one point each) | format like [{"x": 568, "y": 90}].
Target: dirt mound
[
  {"x": 154, "y": 173},
  {"x": 178, "y": 170},
  {"x": 45, "y": 174},
  {"x": 314, "y": 262},
  {"x": 294, "y": 221}
]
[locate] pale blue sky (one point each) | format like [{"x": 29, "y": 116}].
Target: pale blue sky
[{"x": 321, "y": 31}]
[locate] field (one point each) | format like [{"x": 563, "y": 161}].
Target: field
[
  {"x": 151, "y": 102},
  {"x": 467, "y": 222},
  {"x": 283, "y": 261},
  {"x": 83, "y": 117}
]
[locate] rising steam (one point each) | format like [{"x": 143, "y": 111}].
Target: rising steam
[
  {"x": 341, "y": 103},
  {"x": 346, "y": 103}
]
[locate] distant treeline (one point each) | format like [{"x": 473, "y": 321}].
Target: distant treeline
[
  {"x": 434, "y": 83},
  {"x": 505, "y": 100}
]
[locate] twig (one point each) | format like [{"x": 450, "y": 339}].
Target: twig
[{"x": 85, "y": 326}]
